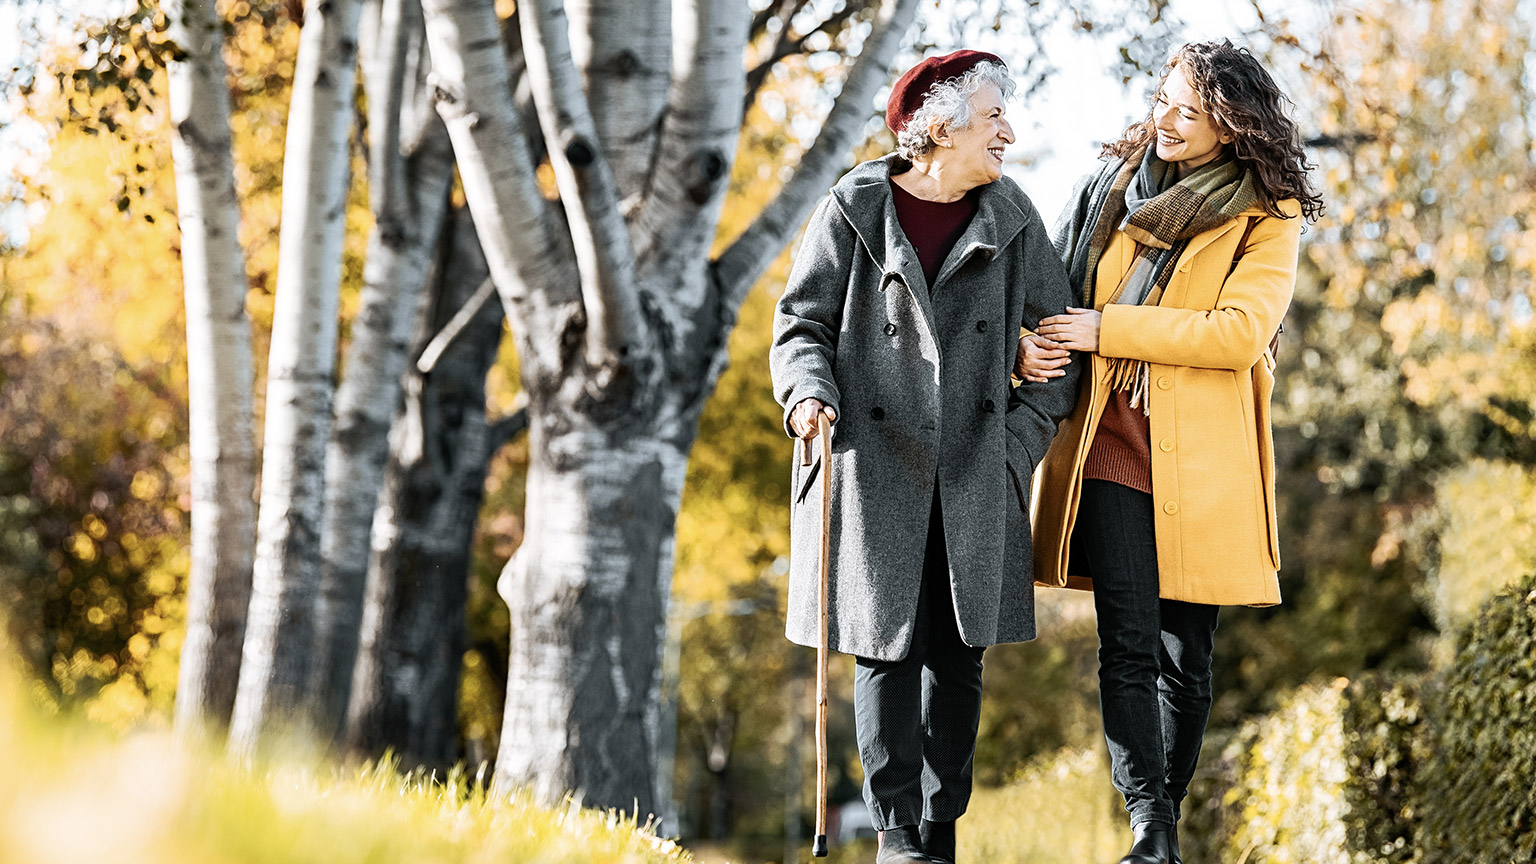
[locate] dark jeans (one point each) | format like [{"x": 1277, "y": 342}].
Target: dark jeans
[
  {"x": 1154, "y": 655},
  {"x": 917, "y": 716}
]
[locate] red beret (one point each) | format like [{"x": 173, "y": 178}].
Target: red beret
[{"x": 909, "y": 91}]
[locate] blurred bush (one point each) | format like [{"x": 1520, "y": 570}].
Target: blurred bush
[
  {"x": 1480, "y": 786},
  {"x": 1434, "y": 769},
  {"x": 1272, "y": 793},
  {"x": 1487, "y": 536},
  {"x": 1387, "y": 744},
  {"x": 93, "y": 522}
]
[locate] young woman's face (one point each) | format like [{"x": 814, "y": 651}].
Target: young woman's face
[{"x": 1187, "y": 135}]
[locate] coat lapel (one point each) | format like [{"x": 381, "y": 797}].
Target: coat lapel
[
  {"x": 1206, "y": 238},
  {"x": 997, "y": 221},
  {"x": 864, "y": 196}
]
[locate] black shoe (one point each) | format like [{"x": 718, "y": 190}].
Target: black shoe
[
  {"x": 938, "y": 841},
  {"x": 1153, "y": 844},
  {"x": 1173, "y": 846},
  {"x": 901, "y": 846}
]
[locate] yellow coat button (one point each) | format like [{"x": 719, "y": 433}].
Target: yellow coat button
[
  {"x": 1166, "y": 445},
  {"x": 1164, "y": 383},
  {"x": 1171, "y": 508}
]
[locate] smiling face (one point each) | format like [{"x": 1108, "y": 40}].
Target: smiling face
[
  {"x": 975, "y": 153},
  {"x": 1187, "y": 134}
]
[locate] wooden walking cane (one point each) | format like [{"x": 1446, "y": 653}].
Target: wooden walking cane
[{"x": 824, "y": 436}]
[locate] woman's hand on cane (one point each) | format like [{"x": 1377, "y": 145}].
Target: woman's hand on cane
[{"x": 803, "y": 418}]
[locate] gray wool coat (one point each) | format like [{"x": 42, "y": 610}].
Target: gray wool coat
[{"x": 919, "y": 378}]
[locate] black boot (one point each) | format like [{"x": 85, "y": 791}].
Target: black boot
[
  {"x": 1152, "y": 846},
  {"x": 1173, "y": 846},
  {"x": 901, "y": 846},
  {"x": 938, "y": 841}
]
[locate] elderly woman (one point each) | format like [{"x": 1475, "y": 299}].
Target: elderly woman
[
  {"x": 1159, "y": 494},
  {"x": 900, "y": 323}
]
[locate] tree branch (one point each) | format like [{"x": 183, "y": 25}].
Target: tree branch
[
  {"x": 623, "y": 49},
  {"x": 505, "y": 429},
  {"x": 531, "y": 261},
  {"x": 451, "y": 331},
  {"x": 698, "y": 140},
  {"x": 385, "y": 81},
  {"x": 786, "y": 45},
  {"x": 750, "y": 254},
  {"x": 615, "y": 327}
]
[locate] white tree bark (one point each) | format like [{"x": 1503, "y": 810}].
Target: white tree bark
[
  {"x": 624, "y": 51},
  {"x": 614, "y": 326},
  {"x": 280, "y": 631},
  {"x": 409, "y": 181},
  {"x": 588, "y": 617},
  {"x": 588, "y": 588},
  {"x": 218, "y": 373},
  {"x": 751, "y": 253},
  {"x": 406, "y": 684}
]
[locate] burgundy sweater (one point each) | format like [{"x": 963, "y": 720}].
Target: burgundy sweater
[
  {"x": 1121, "y": 451},
  {"x": 931, "y": 227}
]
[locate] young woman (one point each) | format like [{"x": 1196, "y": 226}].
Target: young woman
[{"x": 1158, "y": 492}]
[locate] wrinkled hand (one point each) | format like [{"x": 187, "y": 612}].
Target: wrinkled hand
[
  {"x": 1077, "y": 330},
  {"x": 803, "y": 418},
  {"x": 1040, "y": 359}
]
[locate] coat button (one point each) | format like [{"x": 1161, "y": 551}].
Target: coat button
[
  {"x": 877, "y": 413},
  {"x": 1164, "y": 383},
  {"x": 1166, "y": 445},
  {"x": 1171, "y": 508},
  {"x": 890, "y": 329},
  {"x": 981, "y": 326},
  {"x": 987, "y": 406}
]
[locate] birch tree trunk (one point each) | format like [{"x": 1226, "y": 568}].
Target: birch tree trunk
[
  {"x": 280, "y": 631},
  {"x": 621, "y": 321},
  {"x": 411, "y": 168},
  {"x": 219, "y": 379},
  {"x": 405, "y": 688}
]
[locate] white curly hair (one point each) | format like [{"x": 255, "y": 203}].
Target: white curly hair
[{"x": 949, "y": 103}]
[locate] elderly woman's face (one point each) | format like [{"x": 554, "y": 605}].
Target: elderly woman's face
[{"x": 975, "y": 153}]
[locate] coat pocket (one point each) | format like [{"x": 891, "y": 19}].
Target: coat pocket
[{"x": 1020, "y": 485}]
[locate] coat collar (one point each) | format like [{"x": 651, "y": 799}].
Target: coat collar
[
  {"x": 1288, "y": 207},
  {"x": 864, "y": 196}
]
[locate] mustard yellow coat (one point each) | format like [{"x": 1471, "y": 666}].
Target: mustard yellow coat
[{"x": 1213, "y": 467}]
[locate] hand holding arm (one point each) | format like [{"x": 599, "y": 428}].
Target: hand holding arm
[
  {"x": 1040, "y": 359},
  {"x": 1077, "y": 330}
]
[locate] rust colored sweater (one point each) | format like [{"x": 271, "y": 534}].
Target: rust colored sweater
[
  {"x": 1122, "y": 446},
  {"x": 1121, "y": 451}
]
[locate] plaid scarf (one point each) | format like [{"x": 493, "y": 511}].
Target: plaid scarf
[{"x": 1140, "y": 196}]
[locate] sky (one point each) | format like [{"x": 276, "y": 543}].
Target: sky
[{"x": 1085, "y": 104}]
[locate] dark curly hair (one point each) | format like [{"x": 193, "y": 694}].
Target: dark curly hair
[{"x": 1245, "y": 102}]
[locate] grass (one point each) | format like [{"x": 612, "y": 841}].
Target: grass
[{"x": 73, "y": 792}]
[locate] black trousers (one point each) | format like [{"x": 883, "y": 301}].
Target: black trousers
[
  {"x": 917, "y": 717},
  {"x": 1154, "y": 655}
]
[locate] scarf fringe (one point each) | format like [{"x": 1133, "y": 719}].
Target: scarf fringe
[{"x": 1134, "y": 376}]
